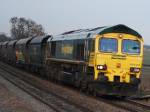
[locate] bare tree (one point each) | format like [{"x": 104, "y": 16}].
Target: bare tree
[
  {"x": 23, "y": 28},
  {"x": 3, "y": 37}
]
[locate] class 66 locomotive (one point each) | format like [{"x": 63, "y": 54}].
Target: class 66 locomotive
[{"x": 104, "y": 60}]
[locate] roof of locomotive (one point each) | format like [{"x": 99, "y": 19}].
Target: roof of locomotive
[
  {"x": 39, "y": 39},
  {"x": 89, "y": 33}
]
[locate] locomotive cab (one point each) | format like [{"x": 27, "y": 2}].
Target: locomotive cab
[{"x": 106, "y": 60}]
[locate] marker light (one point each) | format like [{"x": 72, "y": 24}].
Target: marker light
[
  {"x": 135, "y": 70},
  {"x": 101, "y": 67}
]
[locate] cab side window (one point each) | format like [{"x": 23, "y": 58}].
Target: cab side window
[
  {"x": 91, "y": 45},
  {"x": 80, "y": 44},
  {"x": 53, "y": 49}
]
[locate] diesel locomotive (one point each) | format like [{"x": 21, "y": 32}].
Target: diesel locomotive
[{"x": 104, "y": 60}]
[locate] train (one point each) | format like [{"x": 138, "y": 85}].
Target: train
[{"x": 104, "y": 60}]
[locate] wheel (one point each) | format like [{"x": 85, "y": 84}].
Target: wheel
[
  {"x": 94, "y": 92},
  {"x": 88, "y": 89},
  {"x": 83, "y": 86},
  {"x": 77, "y": 83}
]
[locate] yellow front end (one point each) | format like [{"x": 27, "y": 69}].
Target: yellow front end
[
  {"x": 118, "y": 72},
  {"x": 118, "y": 64}
]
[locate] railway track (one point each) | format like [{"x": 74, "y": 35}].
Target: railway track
[
  {"x": 133, "y": 106},
  {"x": 144, "y": 106},
  {"x": 126, "y": 104},
  {"x": 145, "y": 97},
  {"x": 57, "y": 103}
]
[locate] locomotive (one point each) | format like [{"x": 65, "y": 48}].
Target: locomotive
[{"x": 104, "y": 60}]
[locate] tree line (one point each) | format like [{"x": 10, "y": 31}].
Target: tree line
[{"x": 23, "y": 28}]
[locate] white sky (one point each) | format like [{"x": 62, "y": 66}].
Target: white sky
[{"x": 58, "y": 16}]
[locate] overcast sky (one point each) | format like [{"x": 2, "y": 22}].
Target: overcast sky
[{"x": 58, "y": 16}]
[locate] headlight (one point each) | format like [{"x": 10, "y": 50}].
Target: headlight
[
  {"x": 101, "y": 67},
  {"x": 135, "y": 70}
]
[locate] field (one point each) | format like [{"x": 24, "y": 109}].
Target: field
[
  {"x": 146, "y": 56},
  {"x": 145, "y": 83},
  {"x": 146, "y": 60}
]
